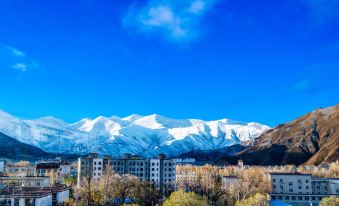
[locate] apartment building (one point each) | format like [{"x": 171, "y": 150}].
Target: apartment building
[
  {"x": 2, "y": 163},
  {"x": 329, "y": 186},
  {"x": 24, "y": 181},
  {"x": 229, "y": 181},
  {"x": 301, "y": 189},
  {"x": 49, "y": 169},
  {"x": 160, "y": 171},
  {"x": 91, "y": 166},
  {"x": 21, "y": 168},
  {"x": 34, "y": 196}
]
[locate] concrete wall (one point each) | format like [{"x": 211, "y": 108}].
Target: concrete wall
[
  {"x": 44, "y": 201},
  {"x": 62, "y": 196},
  {"x": 1, "y": 166}
]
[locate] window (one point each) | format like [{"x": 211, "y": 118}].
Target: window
[
  {"x": 299, "y": 187},
  {"x": 307, "y": 198},
  {"x": 300, "y": 198},
  {"x": 287, "y": 198},
  {"x": 293, "y": 198}
]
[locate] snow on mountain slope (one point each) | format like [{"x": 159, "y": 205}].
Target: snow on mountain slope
[{"x": 142, "y": 135}]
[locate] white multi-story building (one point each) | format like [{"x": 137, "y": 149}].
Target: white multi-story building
[
  {"x": 160, "y": 171},
  {"x": 91, "y": 166},
  {"x": 301, "y": 189},
  {"x": 2, "y": 163}
]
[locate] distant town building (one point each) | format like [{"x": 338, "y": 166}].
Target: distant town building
[
  {"x": 22, "y": 168},
  {"x": 24, "y": 181},
  {"x": 160, "y": 171},
  {"x": 229, "y": 181},
  {"x": 185, "y": 178},
  {"x": 302, "y": 189},
  {"x": 32, "y": 196},
  {"x": 64, "y": 169},
  {"x": 49, "y": 169},
  {"x": 2, "y": 163},
  {"x": 240, "y": 164},
  {"x": 182, "y": 161}
]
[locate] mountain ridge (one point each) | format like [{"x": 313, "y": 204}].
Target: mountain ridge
[
  {"x": 310, "y": 139},
  {"x": 141, "y": 135}
]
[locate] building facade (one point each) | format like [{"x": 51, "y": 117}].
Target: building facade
[
  {"x": 302, "y": 189},
  {"x": 22, "y": 168},
  {"x": 25, "y": 181},
  {"x": 160, "y": 171}
]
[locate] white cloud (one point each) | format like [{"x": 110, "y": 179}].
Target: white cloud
[
  {"x": 173, "y": 19},
  {"x": 14, "y": 59},
  {"x": 20, "y": 67},
  {"x": 17, "y": 52}
]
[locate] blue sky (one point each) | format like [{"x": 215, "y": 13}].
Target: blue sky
[{"x": 265, "y": 61}]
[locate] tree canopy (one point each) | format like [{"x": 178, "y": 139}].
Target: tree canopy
[{"x": 185, "y": 199}]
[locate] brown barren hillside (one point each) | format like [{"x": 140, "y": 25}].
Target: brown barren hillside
[{"x": 311, "y": 139}]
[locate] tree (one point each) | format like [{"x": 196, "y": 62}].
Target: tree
[
  {"x": 70, "y": 181},
  {"x": 210, "y": 185},
  {"x": 185, "y": 199},
  {"x": 255, "y": 200},
  {"x": 84, "y": 194},
  {"x": 329, "y": 201},
  {"x": 125, "y": 186},
  {"x": 146, "y": 194}
]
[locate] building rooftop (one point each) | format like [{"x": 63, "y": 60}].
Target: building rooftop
[
  {"x": 289, "y": 173},
  {"x": 48, "y": 165},
  {"x": 234, "y": 177}
]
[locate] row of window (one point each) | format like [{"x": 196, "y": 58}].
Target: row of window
[
  {"x": 282, "y": 187},
  {"x": 299, "y": 181},
  {"x": 293, "y": 198}
]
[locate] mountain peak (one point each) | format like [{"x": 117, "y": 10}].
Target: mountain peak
[
  {"x": 143, "y": 135},
  {"x": 132, "y": 117}
]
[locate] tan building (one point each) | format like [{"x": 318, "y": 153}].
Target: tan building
[
  {"x": 49, "y": 169},
  {"x": 21, "y": 168},
  {"x": 24, "y": 181}
]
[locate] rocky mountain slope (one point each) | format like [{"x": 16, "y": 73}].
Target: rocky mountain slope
[
  {"x": 141, "y": 135},
  {"x": 310, "y": 139},
  {"x": 11, "y": 148}
]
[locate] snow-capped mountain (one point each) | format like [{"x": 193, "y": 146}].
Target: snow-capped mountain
[{"x": 141, "y": 135}]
